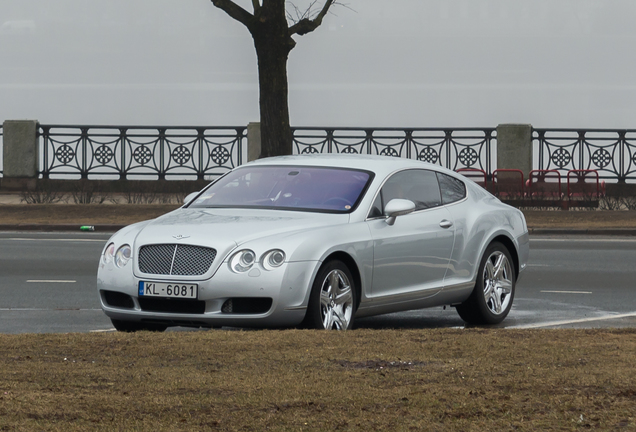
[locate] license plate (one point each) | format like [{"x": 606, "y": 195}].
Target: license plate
[{"x": 170, "y": 290}]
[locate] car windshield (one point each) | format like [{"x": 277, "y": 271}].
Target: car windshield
[{"x": 288, "y": 187}]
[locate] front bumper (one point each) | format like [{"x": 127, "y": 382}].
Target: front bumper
[{"x": 288, "y": 288}]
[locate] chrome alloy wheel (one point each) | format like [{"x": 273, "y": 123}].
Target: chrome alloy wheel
[
  {"x": 497, "y": 282},
  {"x": 336, "y": 301}
]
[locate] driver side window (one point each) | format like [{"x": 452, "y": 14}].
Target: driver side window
[{"x": 419, "y": 186}]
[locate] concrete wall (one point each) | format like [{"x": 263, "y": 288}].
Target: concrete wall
[
  {"x": 253, "y": 141},
  {"x": 514, "y": 147},
  {"x": 20, "y": 154}
]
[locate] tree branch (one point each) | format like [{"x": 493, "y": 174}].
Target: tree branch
[
  {"x": 257, "y": 6},
  {"x": 235, "y": 11},
  {"x": 307, "y": 25}
]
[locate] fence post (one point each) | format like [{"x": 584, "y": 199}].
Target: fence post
[
  {"x": 20, "y": 154},
  {"x": 514, "y": 147},
  {"x": 253, "y": 141}
]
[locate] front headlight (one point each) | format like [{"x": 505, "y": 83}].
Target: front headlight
[
  {"x": 109, "y": 253},
  {"x": 273, "y": 259},
  {"x": 242, "y": 261},
  {"x": 123, "y": 255}
]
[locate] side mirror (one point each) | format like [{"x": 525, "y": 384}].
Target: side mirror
[
  {"x": 190, "y": 197},
  {"x": 398, "y": 207}
]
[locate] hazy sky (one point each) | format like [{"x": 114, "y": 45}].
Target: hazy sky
[{"x": 418, "y": 63}]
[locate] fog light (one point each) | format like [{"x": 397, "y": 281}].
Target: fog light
[{"x": 227, "y": 306}]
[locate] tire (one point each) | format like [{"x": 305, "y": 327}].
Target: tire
[
  {"x": 491, "y": 299},
  {"x": 134, "y": 326},
  {"x": 332, "y": 301}
]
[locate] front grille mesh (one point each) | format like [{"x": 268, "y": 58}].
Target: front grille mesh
[
  {"x": 156, "y": 259},
  {"x": 175, "y": 260}
]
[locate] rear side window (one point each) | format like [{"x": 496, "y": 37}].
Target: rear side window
[{"x": 451, "y": 188}]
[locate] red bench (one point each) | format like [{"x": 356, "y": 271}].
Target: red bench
[
  {"x": 477, "y": 175},
  {"x": 507, "y": 184}
]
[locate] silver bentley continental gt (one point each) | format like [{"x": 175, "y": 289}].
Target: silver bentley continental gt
[{"x": 316, "y": 241}]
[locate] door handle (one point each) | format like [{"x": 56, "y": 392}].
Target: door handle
[{"x": 446, "y": 223}]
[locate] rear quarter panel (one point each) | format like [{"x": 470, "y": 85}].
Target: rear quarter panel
[{"x": 478, "y": 220}]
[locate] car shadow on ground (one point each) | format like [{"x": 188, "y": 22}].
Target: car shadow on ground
[{"x": 418, "y": 319}]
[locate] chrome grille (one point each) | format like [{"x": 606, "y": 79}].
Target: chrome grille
[
  {"x": 175, "y": 260},
  {"x": 156, "y": 259}
]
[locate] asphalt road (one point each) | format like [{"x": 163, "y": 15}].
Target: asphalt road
[{"x": 47, "y": 284}]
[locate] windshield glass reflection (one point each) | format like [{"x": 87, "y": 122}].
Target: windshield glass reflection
[{"x": 288, "y": 187}]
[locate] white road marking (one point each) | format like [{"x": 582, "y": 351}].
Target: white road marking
[
  {"x": 103, "y": 331},
  {"x": 58, "y": 240},
  {"x": 576, "y": 321},
  {"x": 43, "y": 309},
  {"x": 50, "y": 281},
  {"x": 566, "y": 292},
  {"x": 584, "y": 240},
  {"x": 539, "y": 265}
]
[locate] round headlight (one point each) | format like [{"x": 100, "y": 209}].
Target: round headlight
[
  {"x": 123, "y": 255},
  {"x": 242, "y": 261},
  {"x": 274, "y": 258},
  {"x": 109, "y": 253}
]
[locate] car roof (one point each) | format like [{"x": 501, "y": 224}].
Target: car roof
[{"x": 381, "y": 165}]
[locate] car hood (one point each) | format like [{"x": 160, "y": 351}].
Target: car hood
[{"x": 224, "y": 229}]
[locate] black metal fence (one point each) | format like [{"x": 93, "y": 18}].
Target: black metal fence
[
  {"x": 610, "y": 152},
  {"x": 135, "y": 152},
  {"x": 452, "y": 148},
  {"x": 138, "y": 152},
  {"x": 206, "y": 152}
]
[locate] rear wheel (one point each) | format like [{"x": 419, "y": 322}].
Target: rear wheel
[
  {"x": 491, "y": 299},
  {"x": 134, "y": 326},
  {"x": 333, "y": 298}
]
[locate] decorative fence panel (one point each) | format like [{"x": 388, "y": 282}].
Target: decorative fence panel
[
  {"x": 612, "y": 153},
  {"x": 140, "y": 152},
  {"x": 451, "y": 148},
  {"x": 136, "y": 152}
]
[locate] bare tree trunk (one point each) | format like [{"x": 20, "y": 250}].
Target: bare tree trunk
[
  {"x": 276, "y": 136},
  {"x": 273, "y": 44}
]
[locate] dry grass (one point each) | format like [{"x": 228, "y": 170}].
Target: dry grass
[
  {"x": 81, "y": 214},
  {"x": 581, "y": 219},
  {"x": 437, "y": 380},
  {"x": 95, "y": 214},
  {"x": 123, "y": 214}
]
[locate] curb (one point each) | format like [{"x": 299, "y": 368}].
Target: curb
[
  {"x": 622, "y": 232},
  {"x": 59, "y": 227}
]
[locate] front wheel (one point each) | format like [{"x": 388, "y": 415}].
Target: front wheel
[
  {"x": 333, "y": 298},
  {"x": 494, "y": 291},
  {"x": 134, "y": 326}
]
